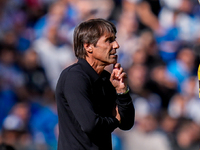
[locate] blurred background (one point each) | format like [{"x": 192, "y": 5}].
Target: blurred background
[{"x": 159, "y": 43}]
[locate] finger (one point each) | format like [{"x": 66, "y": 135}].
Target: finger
[
  {"x": 123, "y": 75},
  {"x": 113, "y": 74},
  {"x": 117, "y": 65},
  {"x": 120, "y": 71}
]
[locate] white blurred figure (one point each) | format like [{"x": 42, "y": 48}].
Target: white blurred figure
[
  {"x": 15, "y": 127},
  {"x": 144, "y": 135},
  {"x": 187, "y": 103},
  {"x": 52, "y": 56}
]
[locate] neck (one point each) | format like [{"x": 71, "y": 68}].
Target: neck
[{"x": 95, "y": 65}]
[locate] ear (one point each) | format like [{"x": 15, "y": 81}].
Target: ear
[{"x": 88, "y": 47}]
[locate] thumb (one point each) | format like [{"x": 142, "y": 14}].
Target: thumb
[{"x": 112, "y": 76}]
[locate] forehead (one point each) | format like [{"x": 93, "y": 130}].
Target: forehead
[
  {"x": 108, "y": 34},
  {"x": 106, "y": 37}
]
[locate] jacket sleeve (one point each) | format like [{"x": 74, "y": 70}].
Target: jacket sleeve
[
  {"x": 126, "y": 110},
  {"x": 77, "y": 92}
]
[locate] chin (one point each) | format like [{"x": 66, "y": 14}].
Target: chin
[{"x": 114, "y": 61}]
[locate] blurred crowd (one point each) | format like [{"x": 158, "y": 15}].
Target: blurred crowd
[{"x": 159, "y": 41}]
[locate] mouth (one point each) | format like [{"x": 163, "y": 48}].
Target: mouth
[
  {"x": 113, "y": 55},
  {"x": 113, "y": 52}
]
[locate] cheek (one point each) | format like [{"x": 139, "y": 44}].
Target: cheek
[{"x": 99, "y": 54}]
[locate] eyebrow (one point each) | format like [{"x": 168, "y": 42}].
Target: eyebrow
[{"x": 112, "y": 37}]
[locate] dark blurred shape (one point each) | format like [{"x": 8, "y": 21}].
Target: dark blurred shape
[
  {"x": 4, "y": 146},
  {"x": 35, "y": 77},
  {"x": 161, "y": 84},
  {"x": 197, "y": 52}
]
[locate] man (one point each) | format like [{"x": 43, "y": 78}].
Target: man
[{"x": 92, "y": 102}]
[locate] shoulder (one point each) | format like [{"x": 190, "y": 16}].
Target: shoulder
[
  {"x": 73, "y": 77},
  {"x": 74, "y": 73},
  {"x": 72, "y": 68}
]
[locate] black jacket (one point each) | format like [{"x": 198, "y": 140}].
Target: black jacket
[{"x": 85, "y": 103}]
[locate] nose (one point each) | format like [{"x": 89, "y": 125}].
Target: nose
[{"x": 115, "y": 45}]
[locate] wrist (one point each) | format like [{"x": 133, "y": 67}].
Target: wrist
[{"x": 122, "y": 93}]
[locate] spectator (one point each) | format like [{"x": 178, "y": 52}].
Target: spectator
[
  {"x": 10, "y": 80},
  {"x": 140, "y": 94},
  {"x": 186, "y": 104},
  {"x": 182, "y": 67},
  {"x": 35, "y": 77},
  {"x": 168, "y": 125},
  {"x": 16, "y": 127},
  {"x": 187, "y": 137},
  {"x": 145, "y": 135},
  {"x": 53, "y": 56},
  {"x": 162, "y": 84}
]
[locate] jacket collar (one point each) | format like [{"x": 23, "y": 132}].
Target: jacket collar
[{"x": 88, "y": 69}]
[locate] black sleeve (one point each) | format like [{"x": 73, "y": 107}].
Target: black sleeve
[
  {"x": 77, "y": 90},
  {"x": 126, "y": 111}
]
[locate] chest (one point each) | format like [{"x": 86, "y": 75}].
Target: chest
[{"x": 103, "y": 97}]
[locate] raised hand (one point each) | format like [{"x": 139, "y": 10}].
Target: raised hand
[{"x": 118, "y": 78}]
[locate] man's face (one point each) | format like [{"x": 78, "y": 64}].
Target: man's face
[{"x": 104, "y": 53}]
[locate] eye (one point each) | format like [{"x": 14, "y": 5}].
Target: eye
[{"x": 111, "y": 39}]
